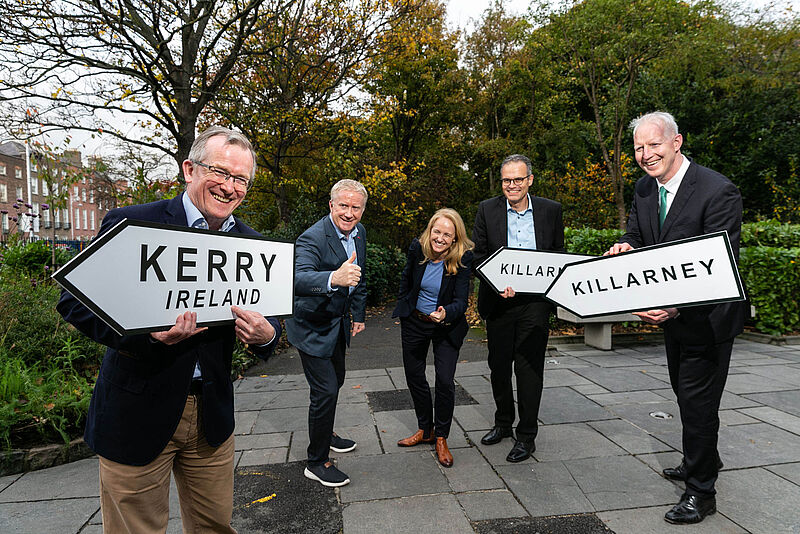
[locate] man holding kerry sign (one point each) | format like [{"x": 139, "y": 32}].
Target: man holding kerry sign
[
  {"x": 163, "y": 401},
  {"x": 680, "y": 199}
]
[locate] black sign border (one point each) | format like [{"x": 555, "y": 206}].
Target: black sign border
[
  {"x": 485, "y": 278},
  {"x": 60, "y": 275},
  {"x": 742, "y": 295}
]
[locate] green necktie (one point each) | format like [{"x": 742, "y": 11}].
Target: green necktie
[{"x": 662, "y": 206}]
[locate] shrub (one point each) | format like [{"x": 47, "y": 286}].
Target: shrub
[
  {"x": 383, "y": 270},
  {"x": 32, "y": 258},
  {"x": 770, "y": 233},
  {"x": 772, "y": 278},
  {"x": 589, "y": 240}
]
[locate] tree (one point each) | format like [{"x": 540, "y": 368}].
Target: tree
[
  {"x": 289, "y": 96},
  {"x": 70, "y": 63},
  {"x": 605, "y": 45}
]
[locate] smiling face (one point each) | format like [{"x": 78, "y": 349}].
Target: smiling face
[
  {"x": 214, "y": 200},
  {"x": 347, "y": 207},
  {"x": 513, "y": 192},
  {"x": 443, "y": 233},
  {"x": 657, "y": 151}
]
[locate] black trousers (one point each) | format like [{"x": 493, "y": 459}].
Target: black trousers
[
  {"x": 698, "y": 374},
  {"x": 518, "y": 342},
  {"x": 325, "y": 377},
  {"x": 417, "y": 336}
]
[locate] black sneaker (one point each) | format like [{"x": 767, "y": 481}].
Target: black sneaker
[
  {"x": 327, "y": 475},
  {"x": 339, "y": 444}
]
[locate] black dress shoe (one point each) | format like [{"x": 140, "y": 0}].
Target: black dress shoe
[
  {"x": 691, "y": 509},
  {"x": 495, "y": 435},
  {"x": 521, "y": 450},
  {"x": 679, "y": 473}
]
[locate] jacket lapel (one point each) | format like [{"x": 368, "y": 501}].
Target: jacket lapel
[
  {"x": 541, "y": 225},
  {"x": 174, "y": 213},
  {"x": 501, "y": 228},
  {"x": 334, "y": 242},
  {"x": 683, "y": 195}
]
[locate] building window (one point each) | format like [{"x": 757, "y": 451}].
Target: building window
[
  {"x": 5, "y": 222},
  {"x": 77, "y": 219},
  {"x": 91, "y": 197},
  {"x": 17, "y": 173},
  {"x": 3, "y": 193},
  {"x": 45, "y": 189},
  {"x": 66, "y": 216},
  {"x": 85, "y": 220},
  {"x": 35, "y": 186},
  {"x": 91, "y": 219},
  {"x": 75, "y": 191},
  {"x": 57, "y": 216},
  {"x": 46, "y": 217},
  {"x": 19, "y": 192},
  {"x": 2, "y": 169},
  {"x": 83, "y": 195}
]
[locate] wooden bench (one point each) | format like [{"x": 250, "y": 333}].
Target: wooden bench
[{"x": 597, "y": 330}]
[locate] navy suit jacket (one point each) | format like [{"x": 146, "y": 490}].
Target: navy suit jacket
[
  {"x": 141, "y": 390},
  {"x": 318, "y": 315},
  {"x": 706, "y": 202},
  {"x": 453, "y": 292},
  {"x": 491, "y": 232}
]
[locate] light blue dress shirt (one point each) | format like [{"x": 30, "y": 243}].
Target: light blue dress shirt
[
  {"x": 520, "y": 227},
  {"x": 429, "y": 287},
  {"x": 349, "y": 244}
]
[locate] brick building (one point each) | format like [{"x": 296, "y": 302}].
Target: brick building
[{"x": 80, "y": 219}]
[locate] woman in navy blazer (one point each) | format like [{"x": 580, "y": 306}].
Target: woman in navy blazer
[{"x": 434, "y": 291}]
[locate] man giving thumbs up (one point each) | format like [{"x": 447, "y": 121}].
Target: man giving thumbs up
[{"x": 328, "y": 288}]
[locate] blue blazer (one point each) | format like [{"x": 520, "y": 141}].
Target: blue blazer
[
  {"x": 453, "y": 293},
  {"x": 141, "y": 390},
  {"x": 319, "y": 315},
  {"x": 706, "y": 202}
]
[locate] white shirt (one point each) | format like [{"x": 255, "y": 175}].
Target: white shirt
[{"x": 675, "y": 182}]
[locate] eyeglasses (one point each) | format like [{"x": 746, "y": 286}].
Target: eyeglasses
[
  {"x": 516, "y": 181},
  {"x": 221, "y": 176}
]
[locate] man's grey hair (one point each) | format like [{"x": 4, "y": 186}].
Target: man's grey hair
[
  {"x": 198, "y": 150},
  {"x": 513, "y": 158},
  {"x": 663, "y": 118},
  {"x": 348, "y": 185}
]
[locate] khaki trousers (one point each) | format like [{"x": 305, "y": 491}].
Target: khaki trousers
[{"x": 135, "y": 499}]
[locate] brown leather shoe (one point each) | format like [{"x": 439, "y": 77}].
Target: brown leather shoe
[
  {"x": 416, "y": 439},
  {"x": 443, "y": 453}
]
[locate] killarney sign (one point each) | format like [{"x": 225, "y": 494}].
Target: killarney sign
[
  {"x": 688, "y": 272},
  {"x": 140, "y": 276},
  {"x": 527, "y": 271}
]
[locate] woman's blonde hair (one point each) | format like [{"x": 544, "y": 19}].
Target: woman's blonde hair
[{"x": 460, "y": 245}]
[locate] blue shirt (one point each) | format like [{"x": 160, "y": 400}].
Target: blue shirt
[
  {"x": 429, "y": 287},
  {"x": 520, "y": 227},
  {"x": 349, "y": 244}
]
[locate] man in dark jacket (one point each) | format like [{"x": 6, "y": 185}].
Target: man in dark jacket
[
  {"x": 163, "y": 401},
  {"x": 516, "y": 325},
  {"x": 678, "y": 199}
]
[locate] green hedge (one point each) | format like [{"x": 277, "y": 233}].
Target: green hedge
[
  {"x": 770, "y": 234},
  {"x": 590, "y": 241},
  {"x": 772, "y": 278},
  {"x": 383, "y": 270}
]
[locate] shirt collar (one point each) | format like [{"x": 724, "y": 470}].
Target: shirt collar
[
  {"x": 528, "y": 209},
  {"x": 675, "y": 182},
  {"x": 353, "y": 232},
  {"x": 193, "y": 215}
]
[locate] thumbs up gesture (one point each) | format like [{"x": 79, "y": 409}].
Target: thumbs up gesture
[{"x": 348, "y": 275}]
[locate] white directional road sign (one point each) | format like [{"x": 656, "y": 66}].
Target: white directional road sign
[
  {"x": 527, "y": 271},
  {"x": 698, "y": 270},
  {"x": 140, "y": 276}
]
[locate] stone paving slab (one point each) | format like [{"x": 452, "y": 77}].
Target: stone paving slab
[
  {"x": 429, "y": 513},
  {"x": 571, "y": 441},
  {"x": 790, "y": 472},
  {"x": 784, "y": 373},
  {"x": 787, "y": 401},
  {"x": 620, "y": 379},
  {"x": 483, "y": 505},
  {"x": 628, "y": 397},
  {"x": 760, "y": 501},
  {"x": 477, "y": 417},
  {"x": 34, "y": 517},
  {"x": 367, "y": 442},
  {"x": 68, "y": 481},
  {"x": 545, "y": 489},
  {"x": 757, "y": 445},
  {"x": 735, "y": 417},
  {"x": 775, "y": 417},
  {"x": 278, "y": 455},
  {"x": 244, "y": 422},
  {"x": 263, "y": 441},
  {"x": 630, "y": 437},
  {"x": 281, "y": 420},
  {"x": 651, "y": 521},
  {"x": 562, "y": 377},
  {"x": 751, "y": 383},
  {"x": 471, "y": 472},
  {"x": 613, "y": 360},
  {"x": 388, "y": 476},
  {"x": 617, "y": 482},
  {"x": 565, "y": 405}
]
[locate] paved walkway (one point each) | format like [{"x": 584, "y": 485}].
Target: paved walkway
[{"x": 596, "y": 468}]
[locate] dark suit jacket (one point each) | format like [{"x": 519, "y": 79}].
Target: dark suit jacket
[
  {"x": 491, "y": 232},
  {"x": 453, "y": 293},
  {"x": 706, "y": 202},
  {"x": 142, "y": 387},
  {"x": 319, "y": 315}
]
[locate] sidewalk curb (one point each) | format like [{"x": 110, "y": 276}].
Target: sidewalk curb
[{"x": 24, "y": 460}]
